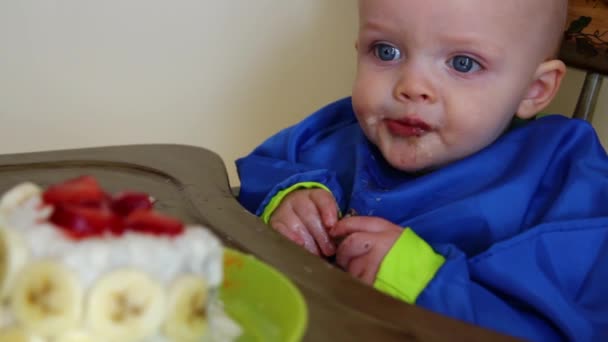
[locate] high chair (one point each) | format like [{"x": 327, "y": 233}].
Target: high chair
[{"x": 585, "y": 46}]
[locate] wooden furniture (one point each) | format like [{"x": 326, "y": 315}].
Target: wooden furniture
[
  {"x": 585, "y": 46},
  {"x": 191, "y": 183}
]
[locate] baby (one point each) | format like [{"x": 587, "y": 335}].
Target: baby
[{"x": 459, "y": 209}]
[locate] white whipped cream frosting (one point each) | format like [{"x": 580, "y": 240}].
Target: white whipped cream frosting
[{"x": 195, "y": 251}]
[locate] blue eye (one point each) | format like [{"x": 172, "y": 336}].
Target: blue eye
[
  {"x": 386, "y": 52},
  {"x": 464, "y": 64}
]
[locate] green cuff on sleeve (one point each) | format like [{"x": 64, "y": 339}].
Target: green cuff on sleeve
[
  {"x": 408, "y": 267},
  {"x": 274, "y": 203}
]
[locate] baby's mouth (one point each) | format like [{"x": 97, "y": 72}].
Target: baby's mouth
[{"x": 408, "y": 127}]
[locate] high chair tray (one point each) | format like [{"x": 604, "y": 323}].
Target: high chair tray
[{"x": 191, "y": 183}]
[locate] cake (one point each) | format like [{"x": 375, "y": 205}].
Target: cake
[{"x": 79, "y": 264}]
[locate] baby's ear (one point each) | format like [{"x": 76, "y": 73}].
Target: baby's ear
[{"x": 544, "y": 87}]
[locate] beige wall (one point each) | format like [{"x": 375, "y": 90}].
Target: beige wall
[
  {"x": 600, "y": 120},
  {"x": 218, "y": 74},
  {"x": 565, "y": 102}
]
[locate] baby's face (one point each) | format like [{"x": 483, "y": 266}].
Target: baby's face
[{"x": 440, "y": 80}]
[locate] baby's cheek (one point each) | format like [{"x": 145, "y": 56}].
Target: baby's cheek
[
  {"x": 473, "y": 137},
  {"x": 370, "y": 124}
]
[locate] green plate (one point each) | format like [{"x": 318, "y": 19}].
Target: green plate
[{"x": 266, "y": 304}]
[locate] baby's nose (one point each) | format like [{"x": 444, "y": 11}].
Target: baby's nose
[{"x": 415, "y": 87}]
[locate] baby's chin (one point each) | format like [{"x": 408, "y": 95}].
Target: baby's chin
[{"x": 412, "y": 165}]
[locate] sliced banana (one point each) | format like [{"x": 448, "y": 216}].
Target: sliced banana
[
  {"x": 77, "y": 336},
  {"x": 47, "y": 298},
  {"x": 18, "y": 195},
  {"x": 187, "y": 319},
  {"x": 13, "y": 255},
  {"x": 126, "y": 305}
]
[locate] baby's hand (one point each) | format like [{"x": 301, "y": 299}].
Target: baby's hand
[
  {"x": 304, "y": 217},
  {"x": 366, "y": 242}
]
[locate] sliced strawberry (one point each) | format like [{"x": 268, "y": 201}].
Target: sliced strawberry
[
  {"x": 126, "y": 202},
  {"x": 117, "y": 227},
  {"x": 83, "y": 190},
  {"x": 146, "y": 221},
  {"x": 80, "y": 222}
]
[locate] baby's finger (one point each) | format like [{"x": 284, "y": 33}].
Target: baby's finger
[
  {"x": 309, "y": 216},
  {"x": 363, "y": 269},
  {"x": 327, "y": 207},
  {"x": 309, "y": 242},
  {"x": 288, "y": 233},
  {"x": 356, "y": 267},
  {"x": 369, "y": 272},
  {"x": 354, "y": 224},
  {"x": 353, "y": 246},
  {"x": 290, "y": 225}
]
